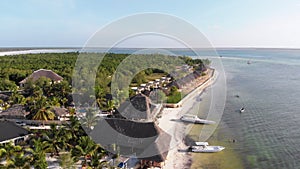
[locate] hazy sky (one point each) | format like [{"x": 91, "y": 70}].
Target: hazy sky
[{"x": 226, "y": 23}]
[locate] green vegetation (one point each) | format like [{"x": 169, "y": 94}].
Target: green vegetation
[
  {"x": 174, "y": 96},
  {"x": 40, "y": 96},
  {"x": 153, "y": 76},
  {"x": 69, "y": 143}
]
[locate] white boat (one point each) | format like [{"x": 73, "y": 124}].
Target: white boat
[
  {"x": 204, "y": 147},
  {"x": 201, "y": 143},
  {"x": 242, "y": 110},
  {"x": 195, "y": 119}
]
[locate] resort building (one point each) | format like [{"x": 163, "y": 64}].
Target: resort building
[
  {"x": 142, "y": 140},
  {"x": 61, "y": 114},
  {"x": 16, "y": 111},
  {"x": 184, "y": 81},
  {"x": 139, "y": 108},
  {"x": 55, "y": 78},
  {"x": 10, "y": 132}
]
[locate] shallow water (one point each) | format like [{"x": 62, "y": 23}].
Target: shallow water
[{"x": 267, "y": 133}]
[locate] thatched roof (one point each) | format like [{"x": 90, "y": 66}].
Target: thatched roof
[
  {"x": 43, "y": 73},
  {"x": 144, "y": 139},
  {"x": 180, "y": 83},
  {"x": 9, "y": 130},
  {"x": 139, "y": 107},
  {"x": 58, "y": 111},
  {"x": 4, "y": 97},
  {"x": 16, "y": 111}
]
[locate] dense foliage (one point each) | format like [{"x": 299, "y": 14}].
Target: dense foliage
[
  {"x": 68, "y": 143},
  {"x": 41, "y": 95}
]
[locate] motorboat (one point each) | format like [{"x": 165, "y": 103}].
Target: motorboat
[
  {"x": 204, "y": 147},
  {"x": 242, "y": 110},
  {"x": 201, "y": 143},
  {"x": 195, "y": 119}
]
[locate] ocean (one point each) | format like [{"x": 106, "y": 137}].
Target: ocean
[{"x": 267, "y": 134}]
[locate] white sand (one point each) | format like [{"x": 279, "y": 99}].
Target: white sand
[{"x": 170, "y": 123}]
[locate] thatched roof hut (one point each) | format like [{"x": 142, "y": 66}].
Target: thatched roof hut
[
  {"x": 180, "y": 83},
  {"x": 138, "y": 107},
  {"x": 16, "y": 111},
  {"x": 43, "y": 73},
  {"x": 143, "y": 139},
  {"x": 60, "y": 113}
]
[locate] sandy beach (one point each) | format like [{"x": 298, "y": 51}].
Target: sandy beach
[{"x": 178, "y": 157}]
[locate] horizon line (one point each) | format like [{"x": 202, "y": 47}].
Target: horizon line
[{"x": 78, "y": 47}]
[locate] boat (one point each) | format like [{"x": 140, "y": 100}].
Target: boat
[
  {"x": 195, "y": 119},
  {"x": 204, "y": 147},
  {"x": 242, "y": 110},
  {"x": 249, "y": 62}
]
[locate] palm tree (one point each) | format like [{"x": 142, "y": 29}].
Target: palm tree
[
  {"x": 64, "y": 101},
  {"x": 90, "y": 120},
  {"x": 86, "y": 147},
  {"x": 72, "y": 111},
  {"x": 54, "y": 140},
  {"x": 55, "y": 101},
  {"x": 67, "y": 161},
  {"x": 65, "y": 139},
  {"x": 7, "y": 152},
  {"x": 14, "y": 156},
  {"x": 21, "y": 161},
  {"x": 34, "y": 104},
  {"x": 71, "y": 132},
  {"x": 96, "y": 162},
  {"x": 16, "y": 98},
  {"x": 111, "y": 105},
  {"x": 39, "y": 154},
  {"x": 44, "y": 114}
]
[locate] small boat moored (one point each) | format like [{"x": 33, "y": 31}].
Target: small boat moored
[
  {"x": 204, "y": 147},
  {"x": 195, "y": 119},
  {"x": 242, "y": 110}
]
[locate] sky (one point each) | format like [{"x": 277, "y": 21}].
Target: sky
[{"x": 225, "y": 23}]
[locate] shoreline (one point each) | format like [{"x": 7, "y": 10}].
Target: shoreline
[
  {"x": 200, "y": 87},
  {"x": 178, "y": 157},
  {"x": 182, "y": 136}
]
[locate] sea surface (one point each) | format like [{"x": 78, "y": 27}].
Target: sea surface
[{"x": 267, "y": 134}]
